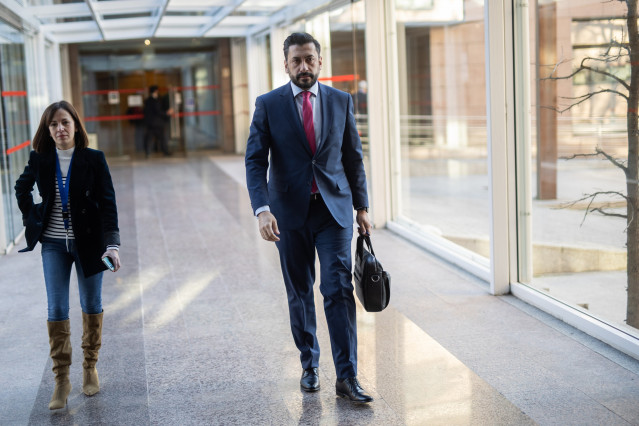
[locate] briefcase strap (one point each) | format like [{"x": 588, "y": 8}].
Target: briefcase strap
[{"x": 360, "y": 244}]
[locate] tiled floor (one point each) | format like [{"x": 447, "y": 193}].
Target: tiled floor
[{"x": 196, "y": 331}]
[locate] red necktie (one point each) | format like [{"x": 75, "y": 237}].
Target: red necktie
[{"x": 309, "y": 128}]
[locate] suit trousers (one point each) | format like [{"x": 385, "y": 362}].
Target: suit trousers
[{"x": 297, "y": 258}]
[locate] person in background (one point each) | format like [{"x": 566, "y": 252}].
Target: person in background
[
  {"x": 361, "y": 98},
  {"x": 76, "y": 223},
  {"x": 306, "y": 133},
  {"x": 155, "y": 118}
]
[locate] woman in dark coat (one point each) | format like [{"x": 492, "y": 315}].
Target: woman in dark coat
[{"x": 76, "y": 223}]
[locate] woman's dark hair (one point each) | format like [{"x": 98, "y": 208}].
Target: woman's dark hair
[
  {"x": 300, "y": 39},
  {"x": 43, "y": 142}
]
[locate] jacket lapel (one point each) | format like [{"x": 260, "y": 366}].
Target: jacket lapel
[
  {"x": 327, "y": 113},
  {"x": 290, "y": 111},
  {"x": 47, "y": 171},
  {"x": 78, "y": 171}
]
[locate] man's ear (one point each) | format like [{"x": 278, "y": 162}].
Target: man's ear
[{"x": 286, "y": 66}]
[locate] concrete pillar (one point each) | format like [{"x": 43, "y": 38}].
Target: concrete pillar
[
  {"x": 546, "y": 99},
  {"x": 228, "y": 128},
  {"x": 240, "y": 94}
]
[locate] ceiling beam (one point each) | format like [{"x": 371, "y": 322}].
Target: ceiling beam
[
  {"x": 161, "y": 10},
  {"x": 68, "y": 10},
  {"x": 96, "y": 16},
  {"x": 288, "y": 15},
  {"x": 24, "y": 13},
  {"x": 126, "y": 6},
  {"x": 226, "y": 10}
]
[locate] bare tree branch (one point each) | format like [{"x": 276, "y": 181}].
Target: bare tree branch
[
  {"x": 583, "y": 67},
  {"x": 592, "y": 199},
  {"x": 598, "y": 152},
  {"x": 601, "y": 211},
  {"x": 583, "y": 98},
  {"x": 592, "y": 196},
  {"x": 613, "y": 160}
]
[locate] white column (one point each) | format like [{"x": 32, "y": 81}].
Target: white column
[
  {"x": 279, "y": 76},
  {"x": 383, "y": 110},
  {"x": 500, "y": 123},
  {"x": 521, "y": 252},
  {"x": 320, "y": 28},
  {"x": 257, "y": 62}
]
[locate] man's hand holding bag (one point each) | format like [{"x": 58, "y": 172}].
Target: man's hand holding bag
[{"x": 372, "y": 283}]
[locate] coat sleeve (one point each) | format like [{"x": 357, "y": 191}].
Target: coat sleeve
[
  {"x": 256, "y": 159},
  {"x": 353, "y": 159},
  {"x": 108, "y": 207},
  {"x": 24, "y": 188}
]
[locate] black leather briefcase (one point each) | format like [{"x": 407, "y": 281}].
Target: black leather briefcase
[{"x": 372, "y": 283}]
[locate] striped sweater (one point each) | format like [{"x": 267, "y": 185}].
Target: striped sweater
[{"x": 55, "y": 227}]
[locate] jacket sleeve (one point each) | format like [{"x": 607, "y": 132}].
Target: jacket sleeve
[
  {"x": 256, "y": 159},
  {"x": 353, "y": 159},
  {"x": 108, "y": 207},
  {"x": 24, "y": 188}
]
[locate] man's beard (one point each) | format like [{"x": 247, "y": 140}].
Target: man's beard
[{"x": 304, "y": 85}]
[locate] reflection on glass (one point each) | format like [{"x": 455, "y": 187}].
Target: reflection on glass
[
  {"x": 443, "y": 119},
  {"x": 14, "y": 139},
  {"x": 115, "y": 84},
  {"x": 580, "y": 230},
  {"x": 348, "y": 63}
]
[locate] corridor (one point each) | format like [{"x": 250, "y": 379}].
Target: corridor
[{"x": 196, "y": 330}]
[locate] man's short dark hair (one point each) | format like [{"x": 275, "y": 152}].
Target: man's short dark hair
[
  {"x": 153, "y": 89},
  {"x": 300, "y": 39}
]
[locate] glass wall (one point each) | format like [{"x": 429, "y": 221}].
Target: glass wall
[
  {"x": 348, "y": 62},
  {"x": 115, "y": 85},
  {"x": 444, "y": 175},
  {"x": 582, "y": 228},
  {"x": 14, "y": 125}
]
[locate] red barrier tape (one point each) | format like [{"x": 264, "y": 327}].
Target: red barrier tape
[
  {"x": 106, "y": 92},
  {"x": 141, "y": 116},
  {"x": 175, "y": 89},
  {"x": 340, "y": 78},
  {"x": 19, "y": 147},
  {"x": 196, "y": 113},
  {"x": 14, "y": 93},
  {"x": 115, "y": 117},
  {"x": 214, "y": 86}
]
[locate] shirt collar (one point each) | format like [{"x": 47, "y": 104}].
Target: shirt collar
[{"x": 296, "y": 90}]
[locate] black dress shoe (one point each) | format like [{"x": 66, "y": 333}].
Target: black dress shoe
[
  {"x": 351, "y": 389},
  {"x": 310, "y": 380}
]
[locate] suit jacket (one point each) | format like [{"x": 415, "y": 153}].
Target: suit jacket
[
  {"x": 337, "y": 164},
  {"x": 94, "y": 215}
]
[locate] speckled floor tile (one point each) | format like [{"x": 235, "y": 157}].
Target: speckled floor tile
[{"x": 196, "y": 331}]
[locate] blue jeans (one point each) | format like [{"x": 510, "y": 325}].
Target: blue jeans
[{"x": 57, "y": 259}]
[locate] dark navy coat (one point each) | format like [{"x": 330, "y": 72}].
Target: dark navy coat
[
  {"x": 93, "y": 210},
  {"x": 337, "y": 164}
]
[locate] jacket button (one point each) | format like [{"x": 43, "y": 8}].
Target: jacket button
[
  {"x": 88, "y": 193},
  {"x": 84, "y": 211},
  {"x": 313, "y": 161}
]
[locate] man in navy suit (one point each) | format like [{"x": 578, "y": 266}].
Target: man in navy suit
[{"x": 316, "y": 181}]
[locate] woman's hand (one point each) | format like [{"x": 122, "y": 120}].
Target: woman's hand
[{"x": 115, "y": 258}]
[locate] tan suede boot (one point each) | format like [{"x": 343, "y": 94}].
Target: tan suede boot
[
  {"x": 60, "y": 343},
  {"x": 91, "y": 343}
]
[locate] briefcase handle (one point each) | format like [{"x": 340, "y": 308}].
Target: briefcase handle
[{"x": 360, "y": 244}]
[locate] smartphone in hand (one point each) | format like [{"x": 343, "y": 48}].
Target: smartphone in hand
[{"x": 109, "y": 263}]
